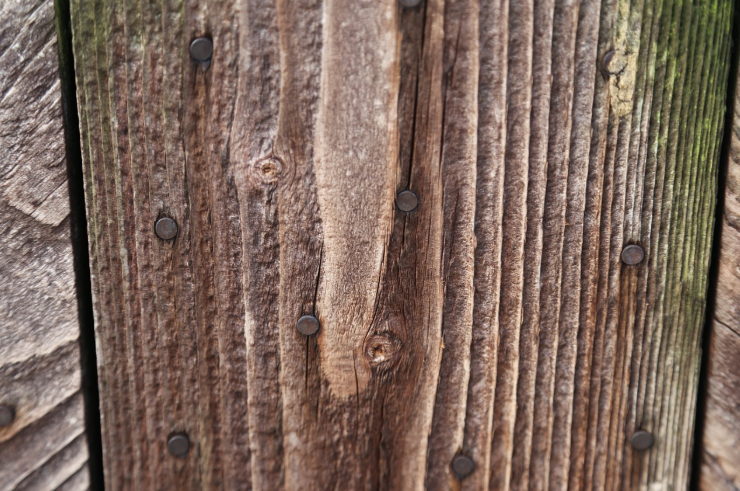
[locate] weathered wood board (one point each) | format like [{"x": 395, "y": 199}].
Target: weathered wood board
[
  {"x": 44, "y": 447},
  {"x": 720, "y": 444},
  {"x": 495, "y": 321}
]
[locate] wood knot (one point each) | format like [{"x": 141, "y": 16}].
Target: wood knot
[
  {"x": 382, "y": 350},
  {"x": 267, "y": 170}
]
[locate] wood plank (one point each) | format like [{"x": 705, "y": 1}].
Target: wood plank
[
  {"x": 40, "y": 372},
  {"x": 719, "y": 468},
  {"x": 496, "y": 320}
]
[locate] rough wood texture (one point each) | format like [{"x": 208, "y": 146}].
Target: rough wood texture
[
  {"x": 496, "y": 320},
  {"x": 720, "y": 470},
  {"x": 44, "y": 448},
  {"x": 720, "y": 467}
]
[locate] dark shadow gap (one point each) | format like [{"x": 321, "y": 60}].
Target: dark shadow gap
[
  {"x": 78, "y": 223},
  {"x": 696, "y": 457}
]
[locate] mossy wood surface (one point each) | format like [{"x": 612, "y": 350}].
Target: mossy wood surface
[{"x": 496, "y": 320}]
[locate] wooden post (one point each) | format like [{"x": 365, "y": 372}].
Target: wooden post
[{"x": 495, "y": 321}]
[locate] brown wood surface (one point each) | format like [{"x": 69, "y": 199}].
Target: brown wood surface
[
  {"x": 44, "y": 448},
  {"x": 720, "y": 445},
  {"x": 496, "y": 320}
]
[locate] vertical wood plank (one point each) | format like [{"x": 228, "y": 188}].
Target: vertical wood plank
[
  {"x": 490, "y": 161},
  {"x": 495, "y": 321},
  {"x": 515, "y": 175},
  {"x": 460, "y": 120},
  {"x": 254, "y": 127},
  {"x": 719, "y": 433},
  {"x": 44, "y": 443}
]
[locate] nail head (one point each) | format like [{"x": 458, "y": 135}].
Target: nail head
[
  {"x": 166, "y": 228},
  {"x": 463, "y": 466},
  {"x": 308, "y": 325},
  {"x": 178, "y": 445},
  {"x": 407, "y": 201},
  {"x": 409, "y": 3},
  {"x": 642, "y": 440},
  {"x": 608, "y": 59},
  {"x": 7, "y": 415},
  {"x": 633, "y": 254},
  {"x": 201, "y": 49}
]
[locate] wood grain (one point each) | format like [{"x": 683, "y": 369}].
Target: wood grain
[
  {"x": 496, "y": 320},
  {"x": 40, "y": 372},
  {"x": 720, "y": 433}
]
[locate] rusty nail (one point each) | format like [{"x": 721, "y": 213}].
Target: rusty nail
[
  {"x": 463, "y": 466},
  {"x": 7, "y": 415},
  {"x": 308, "y": 325},
  {"x": 642, "y": 440},
  {"x": 178, "y": 445},
  {"x": 633, "y": 254},
  {"x": 166, "y": 228},
  {"x": 407, "y": 201},
  {"x": 201, "y": 49},
  {"x": 409, "y": 3}
]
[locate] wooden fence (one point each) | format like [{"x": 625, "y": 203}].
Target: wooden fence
[{"x": 436, "y": 244}]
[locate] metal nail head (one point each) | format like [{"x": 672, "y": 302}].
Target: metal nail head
[
  {"x": 201, "y": 49},
  {"x": 308, "y": 325},
  {"x": 463, "y": 466},
  {"x": 633, "y": 254},
  {"x": 178, "y": 445},
  {"x": 607, "y": 59},
  {"x": 166, "y": 228},
  {"x": 7, "y": 415},
  {"x": 409, "y": 3},
  {"x": 407, "y": 201},
  {"x": 642, "y": 440}
]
